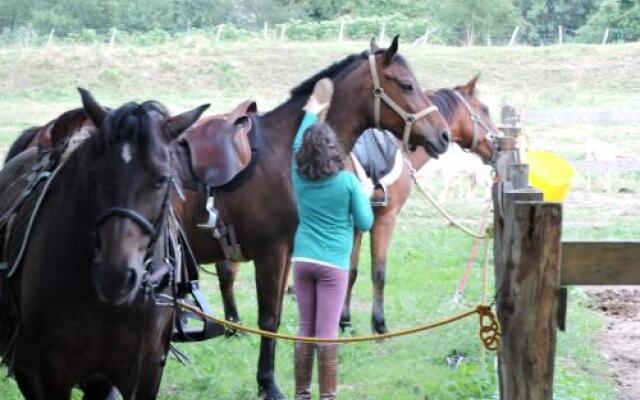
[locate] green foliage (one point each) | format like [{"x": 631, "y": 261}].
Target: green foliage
[
  {"x": 542, "y": 17},
  {"x": 622, "y": 17}
]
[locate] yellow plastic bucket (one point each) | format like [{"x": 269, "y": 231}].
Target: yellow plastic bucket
[{"x": 550, "y": 173}]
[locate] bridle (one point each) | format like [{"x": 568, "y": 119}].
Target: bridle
[
  {"x": 477, "y": 121},
  {"x": 152, "y": 229},
  {"x": 379, "y": 94}
]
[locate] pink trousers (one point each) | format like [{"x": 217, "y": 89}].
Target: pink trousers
[{"x": 320, "y": 293}]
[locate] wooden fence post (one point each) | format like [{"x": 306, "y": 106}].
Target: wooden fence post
[
  {"x": 560, "y": 34},
  {"x": 383, "y": 28},
  {"x": 112, "y": 40},
  {"x": 283, "y": 33},
  {"x": 341, "y": 32},
  {"x": 266, "y": 31},
  {"x": 219, "y": 32},
  {"x": 514, "y": 35},
  {"x": 527, "y": 257},
  {"x": 606, "y": 36},
  {"x": 50, "y": 39}
]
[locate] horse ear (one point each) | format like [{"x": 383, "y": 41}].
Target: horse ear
[
  {"x": 373, "y": 45},
  {"x": 174, "y": 126},
  {"x": 391, "y": 51},
  {"x": 470, "y": 87},
  {"x": 94, "y": 110}
]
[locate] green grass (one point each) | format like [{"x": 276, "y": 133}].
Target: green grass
[{"x": 427, "y": 257}]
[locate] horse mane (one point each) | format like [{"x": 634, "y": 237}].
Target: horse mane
[
  {"x": 22, "y": 142},
  {"x": 447, "y": 102},
  {"x": 305, "y": 88}
]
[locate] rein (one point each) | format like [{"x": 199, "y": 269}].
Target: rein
[{"x": 380, "y": 95}]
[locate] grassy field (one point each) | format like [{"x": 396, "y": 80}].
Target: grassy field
[{"x": 427, "y": 256}]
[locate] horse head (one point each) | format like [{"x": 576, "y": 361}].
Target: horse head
[
  {"x": 474, "y": 128},
  {"x": 377, "y": 88},
  {"x": 132, "y": 177}
]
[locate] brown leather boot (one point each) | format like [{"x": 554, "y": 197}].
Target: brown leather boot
[
  {"x": 303, "y": 358},
  {"x": 328, "y": 371}
]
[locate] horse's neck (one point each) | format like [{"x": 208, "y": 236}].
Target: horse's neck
[{"x": 281, "y": 124}]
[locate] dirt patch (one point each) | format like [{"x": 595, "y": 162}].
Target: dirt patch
[{"x": 620, "y": 340}]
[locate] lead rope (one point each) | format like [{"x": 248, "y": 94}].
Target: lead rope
[
  {"x": 441, "y": 210},
  {"x": 489, "y": 332}
]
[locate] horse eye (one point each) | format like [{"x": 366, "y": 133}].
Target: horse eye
[
  {"x": 407, "y": 86},
  {"x": 161, "y": 181}
]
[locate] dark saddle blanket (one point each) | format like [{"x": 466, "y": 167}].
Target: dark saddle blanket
[
  {"x": 376, "y": 152},
  {"x": 222, "y": 147}
]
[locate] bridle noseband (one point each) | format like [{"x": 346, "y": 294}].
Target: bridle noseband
[
  {"x": 477, "y": 121},
  {"x": 379, "y": 94}
]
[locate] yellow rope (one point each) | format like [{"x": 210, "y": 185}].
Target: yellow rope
[
  {"x": 489, "y": 328},
  {"x": 453, "y": 221}
]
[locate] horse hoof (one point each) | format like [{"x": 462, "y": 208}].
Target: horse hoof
[
  {"x": 344, "y": 325},
  {"x": 380, "y": 328},
  {"x": 271, "y": 393}
]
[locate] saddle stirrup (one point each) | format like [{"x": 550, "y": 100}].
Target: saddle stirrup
[
  {"x": 212, "y": 221},
  {"x": 380, "y": 201}
]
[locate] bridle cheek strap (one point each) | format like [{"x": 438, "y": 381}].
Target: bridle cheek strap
[
  {"x": 379, "y": 94},
  {"x": 476, "y": 120}
]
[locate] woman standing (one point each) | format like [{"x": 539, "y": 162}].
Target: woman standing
[{"x": 331, "y": 203}]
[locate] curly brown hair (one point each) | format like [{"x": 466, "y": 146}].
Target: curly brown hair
[{"x": 321, "y": 155}]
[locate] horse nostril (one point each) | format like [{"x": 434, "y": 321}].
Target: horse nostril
[
  {"x": 446, "y": 137},
  {"x": 132, "y": 278}
]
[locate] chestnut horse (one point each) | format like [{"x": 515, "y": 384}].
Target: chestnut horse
[
  {"x": 263, "y": 208},
  {"x": 83, "y": 291},
  {"x": 470, "y": 135}
]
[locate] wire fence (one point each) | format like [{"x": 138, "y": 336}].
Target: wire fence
[{"x": 418, "y": 32}]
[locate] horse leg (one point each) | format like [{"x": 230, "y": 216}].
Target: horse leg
[
  {"x": 380, "y": 239},
  {"x": 27, "y": 384},
  {"x": 99, "y": 389},
  {"x": 227, "y": 272},
  {"x": 345, "y": 317},
  {"x": 270, "y": 275}
]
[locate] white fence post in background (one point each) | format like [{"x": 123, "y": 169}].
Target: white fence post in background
[
  {"x": 560, "y": 33},
  {"x": 341, "y": 32},
  {"x": 283, "y": 32},
  {"x": 605, "y": 39},
  {"x": 383, "y": 28},
  {"x": 514, "y": 35},
  {"x": 489, "y": 42},
  {"x": 113, "y": 36},
  {"x": 266, "y": 30},
  {"x": 219, "y": 32},
  {"x": 53, "y": 31}
]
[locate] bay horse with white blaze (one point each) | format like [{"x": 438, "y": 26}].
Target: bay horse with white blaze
[
  {"x": 472, "y": 129},
  {"x": 262, "y": 208},
  {"x": 100, "y": 251}
]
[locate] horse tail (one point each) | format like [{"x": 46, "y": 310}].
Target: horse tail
[{"x": 22, "y": 142}]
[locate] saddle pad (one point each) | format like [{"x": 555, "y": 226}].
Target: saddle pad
[{"x": 376, "y": 151}]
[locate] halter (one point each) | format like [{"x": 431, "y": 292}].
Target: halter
[
  {"x": 475, "y": 118},
  {"x": 379, "y": 94}
]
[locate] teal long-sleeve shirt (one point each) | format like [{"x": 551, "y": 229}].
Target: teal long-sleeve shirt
[{"x": 328, "y": 209}]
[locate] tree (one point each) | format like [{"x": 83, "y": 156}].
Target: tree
[
  {"x": 542, "y": 17},
  {"x": 621, "y": 16}
]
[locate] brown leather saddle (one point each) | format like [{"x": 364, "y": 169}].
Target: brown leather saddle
[{"x": 223, "y": 146}]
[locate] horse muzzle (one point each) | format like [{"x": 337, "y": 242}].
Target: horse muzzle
[
  {"x": 438, "y": 145},
  {"x": 116, "y": 286}
]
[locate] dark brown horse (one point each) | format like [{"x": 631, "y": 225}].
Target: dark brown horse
[
  {"x": 471, "y": 128},
  {"x": 84, "y": 291},
  {"x": 263, "y": 209}
]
